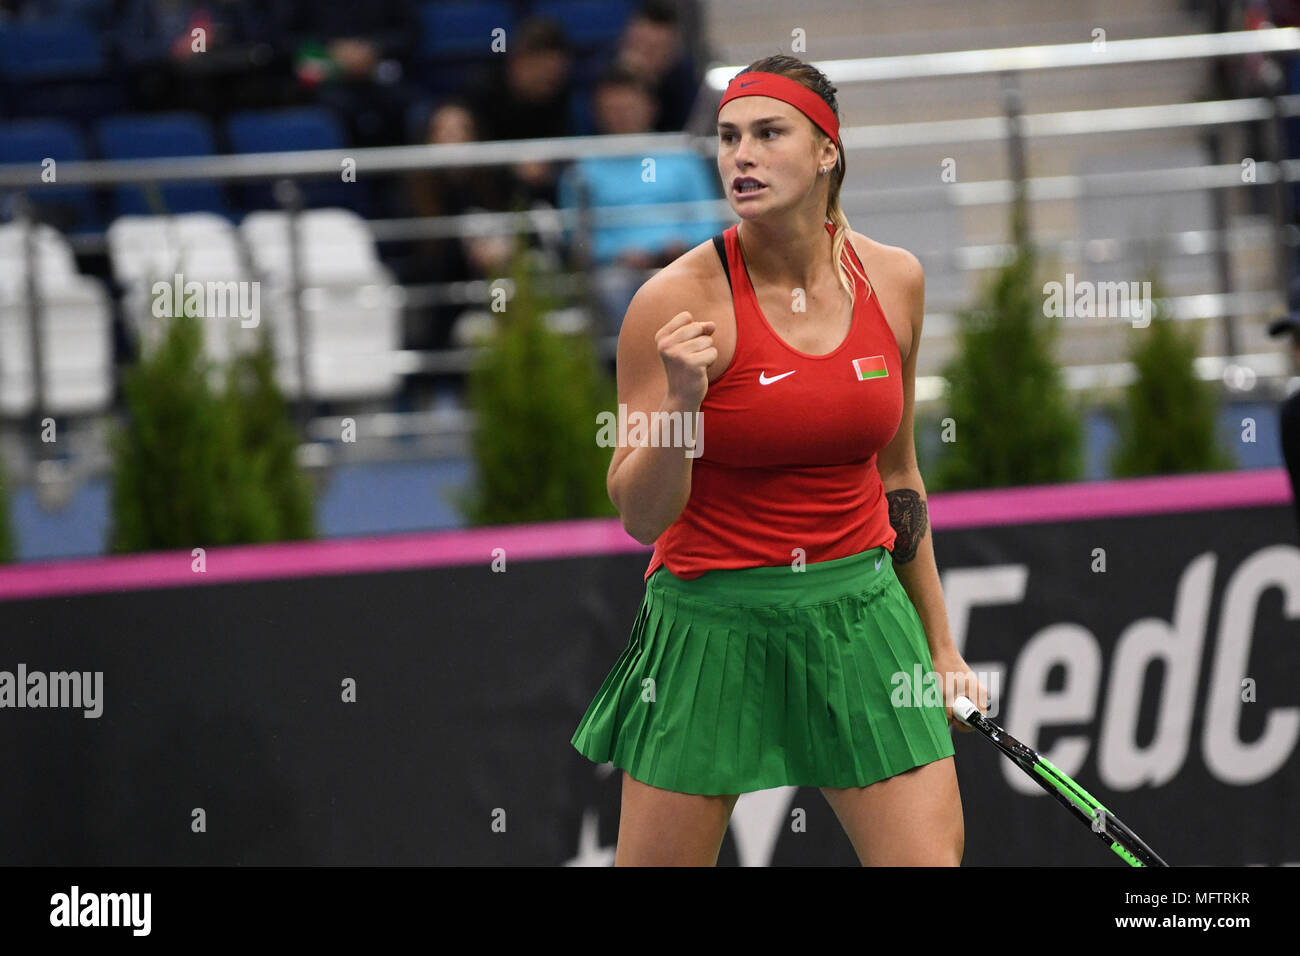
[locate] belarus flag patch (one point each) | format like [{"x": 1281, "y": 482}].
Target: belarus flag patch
[{"x": 872, "y": 367}]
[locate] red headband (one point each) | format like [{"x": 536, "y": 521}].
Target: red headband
[{"x": 788, "y": 91}]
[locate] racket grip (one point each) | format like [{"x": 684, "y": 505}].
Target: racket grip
[{"x": 963, "y": 708}]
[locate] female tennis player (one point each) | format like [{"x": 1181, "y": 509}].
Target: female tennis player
[{"x": 793, "y": 578}]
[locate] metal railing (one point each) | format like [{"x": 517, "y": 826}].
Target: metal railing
[{"x": 1012, "y": 128}]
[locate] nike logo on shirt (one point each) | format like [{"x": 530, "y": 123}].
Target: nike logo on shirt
[
  {"x": 764, "y": 380},
  {"x": 878, "y": 560}
]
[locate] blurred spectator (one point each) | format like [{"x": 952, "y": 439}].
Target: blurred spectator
[
  {"x": 213, "y": 56},
  {"x": 621, "y": 253},
  {"x": 1289, "y": 412},
  {"x": 1284, "y": 13},
  {"x": 652, "y": 47},
  {"x": 528, "y": 97},
  {"x": 351, "y": 57},
  {"x": 453, "y": 191},
  {"x": 1259, "y": 74}
]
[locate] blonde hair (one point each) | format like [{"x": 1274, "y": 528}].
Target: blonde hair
[{"x": 813, "y": 78}]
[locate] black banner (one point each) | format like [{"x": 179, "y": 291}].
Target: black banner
[{"x": 423, "y": 716}]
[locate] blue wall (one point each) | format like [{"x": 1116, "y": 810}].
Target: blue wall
[{"x": 385, "y": 497}]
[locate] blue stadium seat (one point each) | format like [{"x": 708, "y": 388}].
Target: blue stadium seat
[
  {"x": 300, "y": 128},
  {"x": 273, "y": 131},
  {"x": 590, "y": 24},
  {"x": 45, "y": 50},
  {"x": 96, "y": 14},
  {"x": 55, "y": 68},
  {"x": 461, "y": 28},
  {"x": 67, "y": 208},
  {"x": 582, "y": 112},
  {"x": 454, "y": 36},
  {"x": 417, "y": 119},
  {"x": 141, "y": 136}
]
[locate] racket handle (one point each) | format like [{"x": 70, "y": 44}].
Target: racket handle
[{"x": 963, "y": 708}]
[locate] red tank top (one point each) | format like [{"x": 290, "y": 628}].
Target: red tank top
[{"x": 789, "y": 443}]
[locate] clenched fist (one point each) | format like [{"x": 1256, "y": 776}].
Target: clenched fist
[{"x": 687, "y": 350}]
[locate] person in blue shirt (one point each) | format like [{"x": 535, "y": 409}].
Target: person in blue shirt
[{"x": 620, "y": 253}]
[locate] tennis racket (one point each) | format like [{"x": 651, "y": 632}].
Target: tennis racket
[{"x": 1108, "y": 827}]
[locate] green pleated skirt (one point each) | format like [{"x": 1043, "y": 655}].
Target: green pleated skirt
[{"x": 742, "y": 680}]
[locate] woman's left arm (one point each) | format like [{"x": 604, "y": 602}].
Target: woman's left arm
[{"x": 913, "y": 552}]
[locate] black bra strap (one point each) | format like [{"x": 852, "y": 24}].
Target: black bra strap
[{"x": 721, "y": 245}]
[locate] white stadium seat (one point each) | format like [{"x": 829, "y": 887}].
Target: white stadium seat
[
  {"x": 76, "y": 323},
  {"x": 145, "y": 249},
  {"x": 337, "y": 246},
  {"x": 56, "y": 256},
  {"x": 200, "y": 247},
  {"x": 350, "y": 307}
]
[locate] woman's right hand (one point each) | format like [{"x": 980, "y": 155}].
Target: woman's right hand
[{"x": 687, "y": 350}]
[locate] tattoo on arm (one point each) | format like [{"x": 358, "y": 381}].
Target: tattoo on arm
[{"x": 908, "y": 516}]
